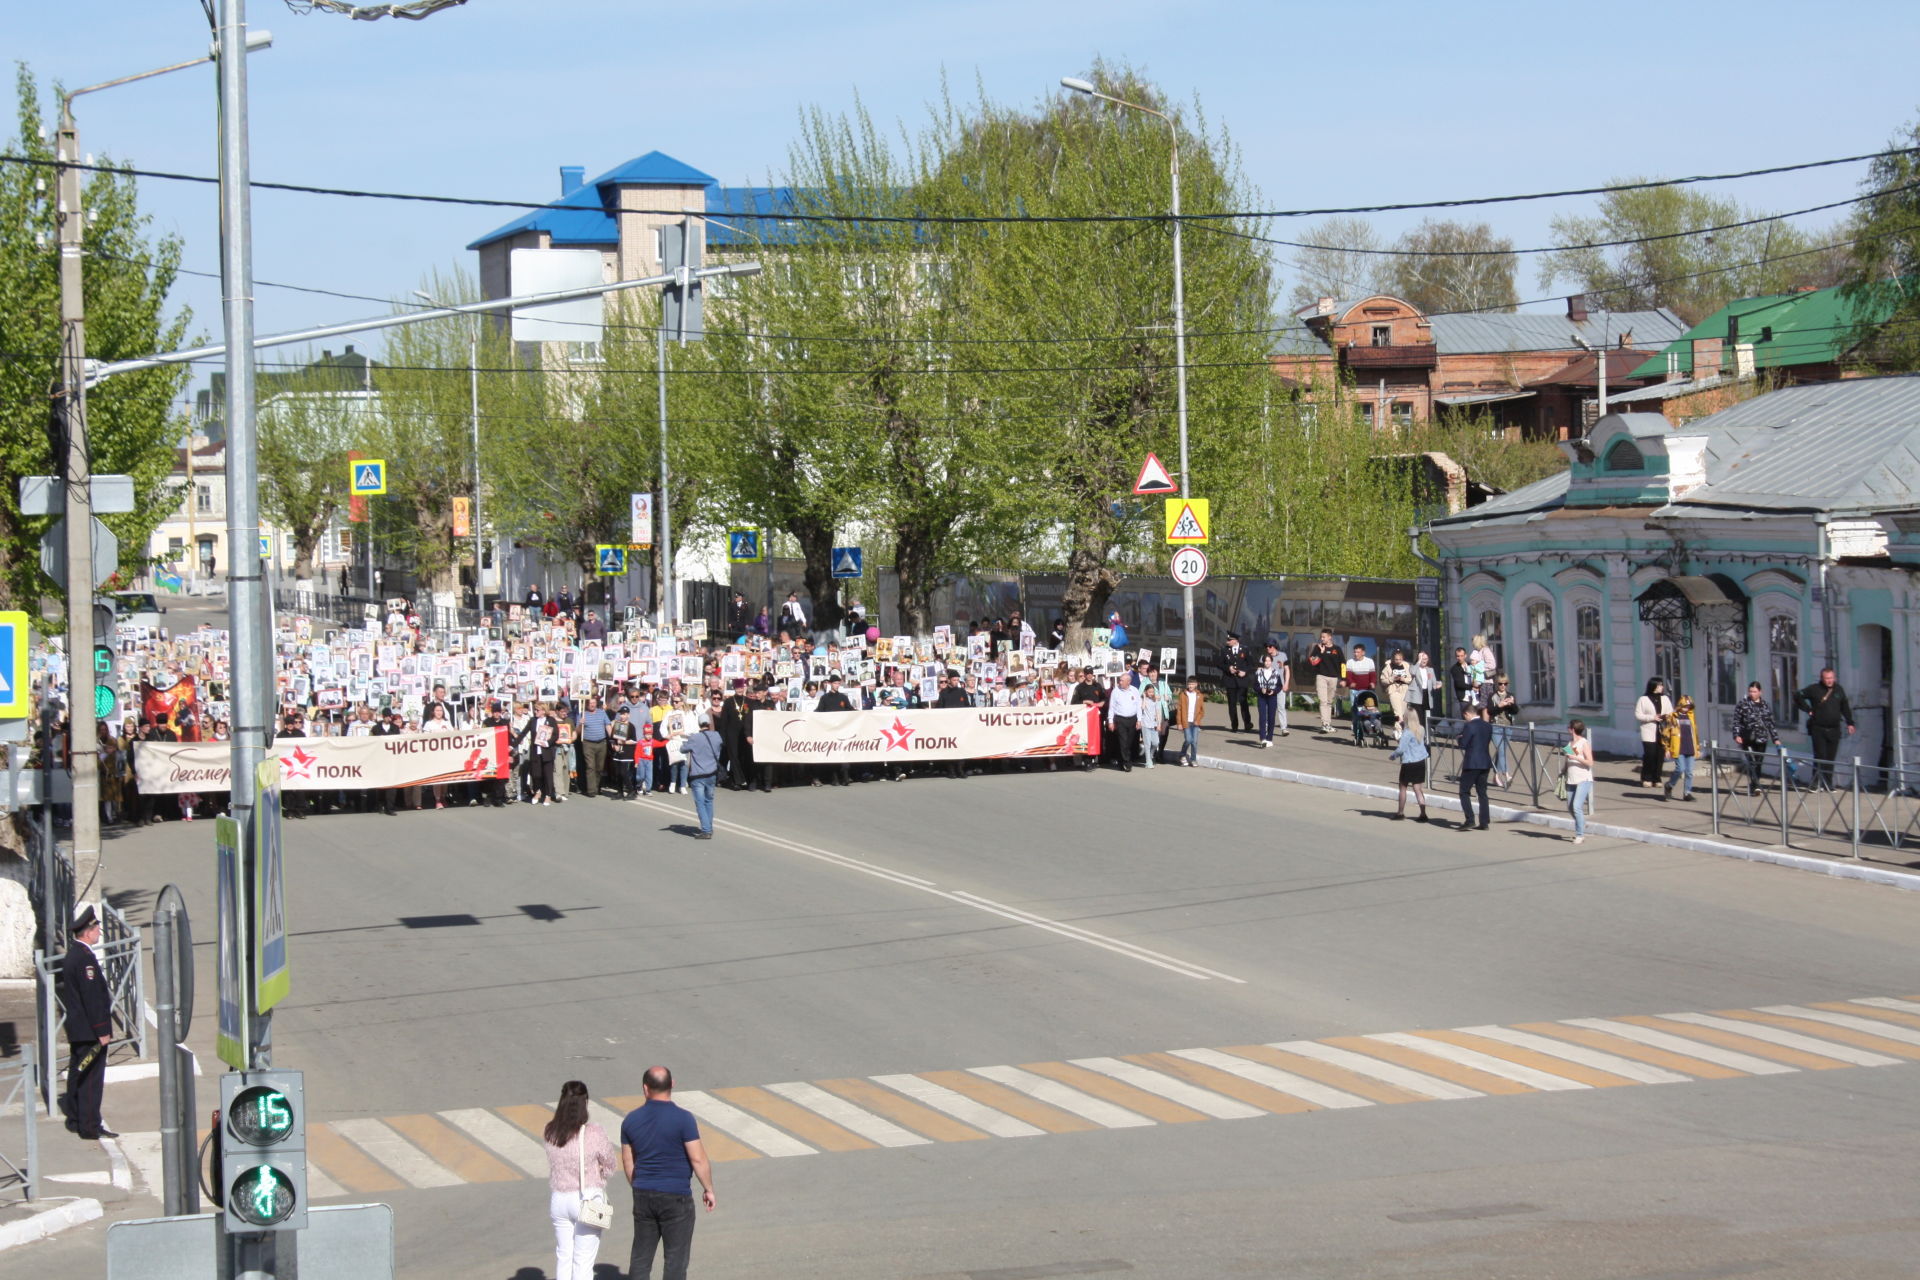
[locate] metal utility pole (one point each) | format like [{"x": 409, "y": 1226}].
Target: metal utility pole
[
  {"x": 1179, "y": 312},
  {"x": 82, "y": 728},
  {"x": 473, "y": 414}
]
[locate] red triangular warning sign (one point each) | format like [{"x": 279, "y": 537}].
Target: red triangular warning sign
[{"x": 1154, "y": 478}]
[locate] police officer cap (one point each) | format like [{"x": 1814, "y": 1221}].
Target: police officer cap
[{"x": 85, "y": 920}]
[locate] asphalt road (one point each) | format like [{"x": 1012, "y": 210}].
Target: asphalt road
[{"x": 468, "y": 961}]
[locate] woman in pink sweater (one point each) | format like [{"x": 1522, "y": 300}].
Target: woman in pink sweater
[{"x": 574, "y": 1140}]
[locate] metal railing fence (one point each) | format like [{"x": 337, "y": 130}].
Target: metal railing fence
[
  {"x": 1792, "y": 795},
  {"x": 19, "y": 1082},
  {"x": 1526, "y": 757}
]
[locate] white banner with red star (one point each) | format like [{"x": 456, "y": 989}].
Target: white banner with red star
[
  {"x": 930, "y": 733},
  {"x": 329, "y": 764}
]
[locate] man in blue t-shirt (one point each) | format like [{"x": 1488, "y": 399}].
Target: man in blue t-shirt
[{"x": 660, "y": 1150}]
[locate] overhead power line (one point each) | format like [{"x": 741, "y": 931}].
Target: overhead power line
[{"x": 932, "y": 219}]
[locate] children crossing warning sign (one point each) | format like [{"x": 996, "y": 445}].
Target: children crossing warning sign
[{"x": 1186, "y": 520}]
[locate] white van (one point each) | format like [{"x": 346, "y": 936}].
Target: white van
[{"x": 135, "y": 608}]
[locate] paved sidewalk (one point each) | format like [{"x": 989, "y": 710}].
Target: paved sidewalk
[{"x": 1621, "y": 806}]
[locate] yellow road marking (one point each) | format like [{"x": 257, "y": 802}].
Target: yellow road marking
[
  {"x": 905, "y": 1112},
  {"x": 1325, "y": 1072},
  {"x": 1011, "y": 1101},
  {"x": 1739, "y": 1044},
  {"x": 1825, "y": 1031},
  {"x": 794, "y": 1118},
  {"x": 1633, "y": 1049},
  {"x": 347, "y": 1164},
  {"x": 1254, "y": 1095},
  {"x": 1427, "y": 1064},
  {"x": 719, "y": 1146},
  {"x": 1529, "y": 1058},
  {"x": 1117, "y": 1092},
  {"x": 1871, "y": 1011},
  {"x": 437, "y": 1138}
]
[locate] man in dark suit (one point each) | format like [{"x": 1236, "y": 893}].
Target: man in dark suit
[
  {"x": 89, "y": 1018},
  {"x": 953, "y": 693},
  {"x": 834, "y": 700},
  {"x": 1476, "y": 762},
  {"x": 1236, "y": 676}
]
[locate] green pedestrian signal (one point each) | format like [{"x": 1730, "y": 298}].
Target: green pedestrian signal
[
  {"x": 263, "y": 1151},
  {"x": 105, "y": 701}
]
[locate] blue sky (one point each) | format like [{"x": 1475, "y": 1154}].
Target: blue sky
[{"x": 1329, "y": 104}]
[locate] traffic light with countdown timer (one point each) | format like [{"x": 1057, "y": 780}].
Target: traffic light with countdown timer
[{"x": 263, "y": 1151}]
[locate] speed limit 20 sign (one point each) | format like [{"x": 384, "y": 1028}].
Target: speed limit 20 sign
[{"x": 1189, "y": 566}]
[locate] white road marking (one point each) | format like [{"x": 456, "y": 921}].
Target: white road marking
[
  {"x": 752, "y": 1130},
  {"x": 843, "y": 1113},
  {"x": 1786, "y": 1039},
  {"x": 1161, "y": 1085},
  {"x": 1579, "y": 1053},
  {"x": 1872, "y": 1026},
  {"x": 1274, "y": 1078},
  {"x": 144, "y": 1154},
  {"x": 117, "y": 1159},
  {"x": 1387, "y": 1072},
  {"x": 380, "y": 1141},
  {"x": 1529, "y": 1076},
  {"x": 959, "y": 1106},
  {"x": 320, "y": 1186},
  {"x": 1888, "y": 1002},
  {"x": 501, "y": 1138},
  {"x": 1065, "y": 1097},
  {"x": 607, "y": 1118},
  {"x": 1657, "y": 1039},
  {"x": 1118, "y": 946}
]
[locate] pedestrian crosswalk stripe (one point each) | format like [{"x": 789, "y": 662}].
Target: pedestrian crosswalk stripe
[
  {"x": 452, "y": 1151},
  {"x": 1888, "y": 1011},
  {"x": 1789, "y": 1018},
  {"x": 868, "y": 1125},
  {"x": 505, "y": 1141},
  {"x": 1391, "y": 1072},
  {"x": 807, "y": 1125},
  {"x": 1052, "y": 1092},
  {"x": 1157, "y": 1107},
  {"x": 1236, "y": 1061},
  {"x": 901, "y": 1110},
  {"x": 1611, "y": 1044},
  {"x": 1339, "y": 1079},
  {"x": 380, "y": 1141},
  {"x": 1788, "y": 1040},
  {"x": 756, "y": 1133},
  {"x": 1158, "y": 1083},
  {"x": 1233, "y": 1085},
  {"x": 1519, "y": 1061},
  {"x": 719, "y": 1147},
  {"x": 1653, "y": 1035},
  {"x": 368, "y": 1155},
  {"x": 960, "y": 1106},
  {"x": 1430, "y": 1064},
  {"x": 607, "y": 1118},
  {"x": 1613, "y": 1064},
  {"x": 1866, "y": 1026},
  {"x": 346, "y": 1164}
]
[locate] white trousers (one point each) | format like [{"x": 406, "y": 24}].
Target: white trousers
[{"x": 575, "y": 1245}]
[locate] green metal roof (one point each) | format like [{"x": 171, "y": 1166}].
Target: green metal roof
[{"x": 1785, "y": 329}]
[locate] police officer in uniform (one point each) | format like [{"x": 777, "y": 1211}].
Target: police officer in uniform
[{"x": 89, "y": 1010}]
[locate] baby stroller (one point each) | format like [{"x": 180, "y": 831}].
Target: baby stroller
[{"x": 1367, "y": 728}]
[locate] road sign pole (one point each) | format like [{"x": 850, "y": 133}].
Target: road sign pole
[
  {"x": 82, "y": 726},
  {"x": 669, "y": 585}
]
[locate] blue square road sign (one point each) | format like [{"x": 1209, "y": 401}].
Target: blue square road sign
[{"x": 846, "y": 562}]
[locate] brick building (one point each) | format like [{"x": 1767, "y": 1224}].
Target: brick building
[{"x": 1533, "y": 371}]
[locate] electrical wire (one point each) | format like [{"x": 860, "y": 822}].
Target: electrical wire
[{"x": 928, "y": 219}]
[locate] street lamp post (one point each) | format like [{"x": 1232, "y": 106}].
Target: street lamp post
[
  {"x": 473, "y": 414},
  {"x": 1179, "y": 311}
]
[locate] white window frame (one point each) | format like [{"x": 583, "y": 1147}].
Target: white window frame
[
  {"x": 1585, "y": 649},
  {"x": 1523, "y": 610}
]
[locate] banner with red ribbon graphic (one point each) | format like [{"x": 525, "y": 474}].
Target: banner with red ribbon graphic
[
  {"x": 328, "y": 764},
  {"x": 929, "y": 733}
]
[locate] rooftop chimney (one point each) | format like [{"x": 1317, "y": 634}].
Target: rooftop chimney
[
  {"x": 1577, "y": 308},
  {"x": 572, "y": 178}
]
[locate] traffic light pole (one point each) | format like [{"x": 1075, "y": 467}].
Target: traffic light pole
[{"x": 82, "y": 725}]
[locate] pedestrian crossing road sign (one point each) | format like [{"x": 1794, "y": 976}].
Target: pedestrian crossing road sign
[
  {"x": 609, "y": 560},
  {"x": 743, "y": 546},
  {"x": 366, "y": 476},
  {"x": 13, "y": 665},
  {"x": 266, "y": 546},
  {"x": 1186, "y": 520},
  {"x": 846, "y": 562}
]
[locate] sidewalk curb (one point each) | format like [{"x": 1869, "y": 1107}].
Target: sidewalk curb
[
  {"x": 1533, "y": 817},
  {"x": 48, "y": 1222}
]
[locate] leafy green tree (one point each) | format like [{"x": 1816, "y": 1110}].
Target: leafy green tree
[
  {"x": 1672, "y": 266},
  {"x": 305, "y": 433},
  {"x": 1883, "y": 280},
  {"x": 133, "y": 420}
]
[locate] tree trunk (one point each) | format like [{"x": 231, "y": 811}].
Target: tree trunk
[
  {"x": 1089, "y": 582},
  {"x": 816, "y": 548},
  {"x": 913, "y": 563}
]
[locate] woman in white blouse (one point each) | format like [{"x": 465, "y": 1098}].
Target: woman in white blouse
[
  {"x": 1653, "y": 707},
  {"x": 580, "y": 1158}
]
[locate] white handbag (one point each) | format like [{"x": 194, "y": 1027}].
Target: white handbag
[{"x": 595, "y": 1209}]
